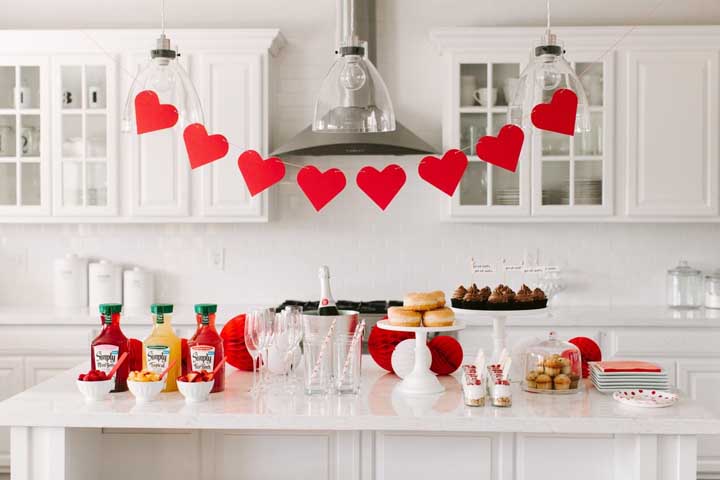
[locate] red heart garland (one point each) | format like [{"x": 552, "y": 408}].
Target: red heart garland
[
  {"x": 381, "y": 187},
  {"x": 559, "y": 115},
  {"x": 203, "y": 148},
  {"x": 151, "y": 115},
  {"x": 503, "y": 150},
  {"x": 446, "y": 173},
  {"x": 320, "y": 187},
  {"x": 260, "y": 174}
]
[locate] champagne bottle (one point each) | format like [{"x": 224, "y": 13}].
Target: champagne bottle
[{"x": 327, "y": 302}]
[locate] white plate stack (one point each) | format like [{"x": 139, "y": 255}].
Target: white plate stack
[
  {"x": 507, "y": 196},
  {"x": 612, "y": 381}
]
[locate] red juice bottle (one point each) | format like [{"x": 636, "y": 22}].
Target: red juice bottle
[
  {"x": 110, "y": 344},
  {"x": 206, "y": 346}
]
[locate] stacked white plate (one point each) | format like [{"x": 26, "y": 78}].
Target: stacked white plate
[
  {"x": 588, "y": 191},
  {"x": 614, "y": 381},
  {"x": 507, "y": 196}
]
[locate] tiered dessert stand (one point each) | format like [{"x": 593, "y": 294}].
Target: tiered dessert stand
[{"x": 421, "y": 381}]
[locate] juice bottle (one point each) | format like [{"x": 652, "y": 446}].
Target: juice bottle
[
  {"x": 162, "y": 346},
  {"x": 110, "y": 344},
  {"x": 206, "y": 346}
]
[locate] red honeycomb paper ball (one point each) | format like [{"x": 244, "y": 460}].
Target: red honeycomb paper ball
[
  {"x": 589, "y": 352},
  {"x": 447, "y": 355},
  {"x": 382, "y": 343},
  {"x": 233, "y": 335}
]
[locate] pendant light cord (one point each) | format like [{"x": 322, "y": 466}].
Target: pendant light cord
[
  {"x": 548, "y": 17},
  {"x": 162, "y": 16}
]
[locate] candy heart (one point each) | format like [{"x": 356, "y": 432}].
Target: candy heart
[
  {"x": 203, "y": 148},
  {"x": 320, "y": 187},
  {"x": 446, "y": 173},
  {"x": 151, "y": 115},
  {"x": 558, "y": 115},
  {"x": 503, "y": 150},
  {"x": 260, "y": 174},
  {"x": 381, "y": 187}
]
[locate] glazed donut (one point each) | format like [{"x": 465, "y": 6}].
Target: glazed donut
[
  {"x": 421, "y": 302},
  {"x": 442, "y": 317},
  {"x": 401, "y": 317},
  {"x": 440, "y": 297}
]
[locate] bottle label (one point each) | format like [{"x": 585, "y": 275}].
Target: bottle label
[
  {"x": 105, "y": 356},
  {"x": 157, "y": 357},
  {"x": 202, "y": 357}
]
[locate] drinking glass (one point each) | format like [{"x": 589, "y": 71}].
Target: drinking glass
[
  {"x": 283, "y": 341},
  {"x": 294, "y": 313},
  {"x": 346, "y": 364},
  {"x": 317, "y": 356},
  {"x": 262, "y": 337},
  {"x": 250, "y": 321}
]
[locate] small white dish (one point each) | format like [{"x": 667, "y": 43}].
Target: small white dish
[
  {"x": 145, "y": 391},
  {"x": 646, "y": 398},
  {"x": 195, "y": 392},
  {"x": 95, "y": 391}
]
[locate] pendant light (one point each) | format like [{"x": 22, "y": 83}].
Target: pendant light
[
  {"x": 164, "y": 75},
  {"x": 547, "y": 72},
  {"x": 353, "y": 97}
]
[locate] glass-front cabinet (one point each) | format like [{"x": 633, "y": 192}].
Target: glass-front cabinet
[
  {"x": 483, "y": 89},
  {"x": 84, "y": 132},
  {"x": 572, "y": 174},
  {"x": 24, "y": 169},
  {"x": 558, "y": 176}
]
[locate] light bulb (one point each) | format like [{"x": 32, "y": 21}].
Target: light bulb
[
  {"x": 353, "y": 75},
  {"x": 548, "y": 76}
]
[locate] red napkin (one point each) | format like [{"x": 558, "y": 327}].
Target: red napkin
[{"x": 628, "y": 366}]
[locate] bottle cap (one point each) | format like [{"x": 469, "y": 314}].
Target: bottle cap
[
  {"x": 110, "y": 308},
  {"x": 205, "y": 308},
  {"x": 161, "y": 308}
]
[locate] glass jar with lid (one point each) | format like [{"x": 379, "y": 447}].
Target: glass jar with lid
[
  {"x": 684, "y": 286},
  {"x": 712, "y": 289},
  {"x": 553, "y": 367}
]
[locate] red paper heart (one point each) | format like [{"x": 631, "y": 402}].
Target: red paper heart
[
  {"x": 320, "y": 187},
  {"x": 446, "y": 173},
  {"x": 260, "y": 174},
  {"x": 203, "y": 148},
  {"x": 151, "y": 115},
  {"x": 558, "y": 115},
  {"x": 503, "y": 150},
  {"x": 381, "y": 187}
]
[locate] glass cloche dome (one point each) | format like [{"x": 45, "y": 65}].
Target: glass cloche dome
[{"x": 553, "y": 367}]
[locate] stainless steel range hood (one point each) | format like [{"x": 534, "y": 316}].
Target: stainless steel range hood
[{"x": 356, "y": 20}]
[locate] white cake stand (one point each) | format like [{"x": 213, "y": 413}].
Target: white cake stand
[
  {"x": 421, "y": 381},
  {"x": 498, "y": 318}
]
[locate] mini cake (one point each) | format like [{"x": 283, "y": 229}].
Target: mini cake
[
  {"x": 565, "y": 367},
  {"x": 552, "y": 366},
  {"x": 562, "y": 382},
  {"x": 402, "y": 317},
  {"x": 441, "y": 317},
  {"x": 531, "y": 378},
  {"x": 421, "y": 302},
  {"x": 457, "y": 297},
  {"x": 543, "y": 382}
]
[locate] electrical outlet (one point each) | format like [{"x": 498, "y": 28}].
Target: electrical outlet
[{"x": 216, "y": 259}]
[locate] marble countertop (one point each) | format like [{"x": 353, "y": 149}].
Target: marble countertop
[{"x": 58, "y": 403}]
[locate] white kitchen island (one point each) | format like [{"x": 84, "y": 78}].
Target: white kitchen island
[{"x": 378, "y": 435}]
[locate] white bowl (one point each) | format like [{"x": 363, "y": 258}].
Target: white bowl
[
  {"x": 95, "y": 391},
  {"x": 195, "y": 392},
  {"x": 145, "y": 391}
]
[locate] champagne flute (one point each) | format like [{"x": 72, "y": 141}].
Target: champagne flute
[
  {"x": 251, "y": 321},
  {"x": 283, "y": 341},
  {"x": 295, "y": 332}
]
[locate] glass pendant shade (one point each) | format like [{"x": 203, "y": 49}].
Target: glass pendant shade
[
  {"x": 353, "y": 97},
  {"x": 547, "y": 72},
  {"x": 168, "y": 79}
]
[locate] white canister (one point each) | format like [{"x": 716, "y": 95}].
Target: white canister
[
  {"x": 105, "y": 284},
  {"x": 70, "y": 281},
  {"x": 138, "y": 290}
]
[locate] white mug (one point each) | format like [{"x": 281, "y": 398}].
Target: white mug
[{"x": 485, "y": 96}]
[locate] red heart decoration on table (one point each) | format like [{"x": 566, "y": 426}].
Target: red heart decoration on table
[
  {"x": 151, "y": 115},
  {"x": 203, "y": 148},
  {"x": 446, "y": 173},
  {"x": 503, "y": 150},
  {"x": 381, "y": 186},
  {"x": 320, "y": 187},
  {"x": 559, "y": 115},
  {"x": 260, "y": 174}
]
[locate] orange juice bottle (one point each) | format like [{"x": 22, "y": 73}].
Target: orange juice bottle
[{"x": 163, "y": 347}]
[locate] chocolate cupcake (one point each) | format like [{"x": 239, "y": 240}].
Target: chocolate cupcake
[
  {"x": 473, "y": 300},
  {"x": 539, "y": 298},
  {"x": 509, "y": 294},
  {"x": 524, "y": 298},
  {"x": 457, "y": 297},
  {"x": 485, "y": 293},
  {"x": 498, "y": 300}
]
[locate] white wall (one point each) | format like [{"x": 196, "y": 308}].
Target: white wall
[{"x": 372, "y": 255}]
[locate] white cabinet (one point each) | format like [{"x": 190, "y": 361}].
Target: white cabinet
[
  {"x": 75, "y": 85},
  {"x": 651, "y": 154},
  {"x": 11, "y": 382},
  {"x": 672, "y": 147}
]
